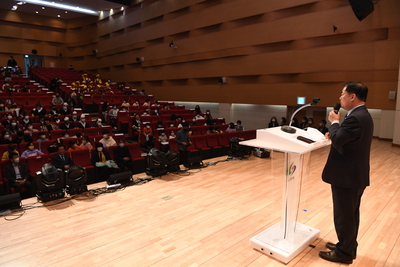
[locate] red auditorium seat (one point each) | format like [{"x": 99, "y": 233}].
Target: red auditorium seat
[
  {"x": 122, "y": 120},
  {"x": 91, "y": 131},
  {"x": 212, "y": 141},
  {"x": 200, "y": 143},
  {"x": 72, "y": 132},
  {"x": 57, "y": 134},
  {"x": 35, "y": 163},
  {"x": 224, "y": 142},
  {"x": 138, "y": 162}
]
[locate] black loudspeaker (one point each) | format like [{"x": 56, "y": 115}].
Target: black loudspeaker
[
  {"x": 34, "y": 51},
  {"x": 120, "y": 178},
  {"x": 195, "y": 162},
  {"x": 361, "y": 8},
  {"x": 11, "y": 201}
]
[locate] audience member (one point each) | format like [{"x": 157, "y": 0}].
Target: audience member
[
  {"x": 197, "y": 110},
  {"x": 295, "y": 122},
  {"x": 74, "y": 117},
  {"x": 231, "y": 128},
  {"x": 26, "y": 120},
  {"x": 17, "y": 175},
  {"x": 156, "y": 112},
  {"x": 219, "y": 130},
  {"x": 39, "y": 111},
  {"x": 31, "y": 151},
  {"x": 99, "y": 158},
  {"x": 211, "y": 130},
  {"x": 239, "y": 127},
  {"x": 136, "y": 123},
  {"x": 13, "y": 128},
  {"x": 107, "y": 139},
  {"x": 310, "y": 123},
  {"x": 53, "y": 110},
  {"x": 22, "y": 138},
  {"x": 65, "y": 110},
  {"x": 42, "y": 137},
  {"x": 86, "y": 143},
  {"x": 67, "y": 124},
  {"x": 273, "y": 122},
  {"x": 193, "y": 122},
  {"x": 147, "y": 133},
  {"x": 47, "y": 126},
  {"x": 2, "y": 106},
  {"x": 82, "y": 123},
  {"x": 303, "y": 123},
  {"x": 183, "y": 140},
  {"x": 283, "y": 121},
  {"x": 61, "y": 160},
  {"x": 57, "y": 100},
  {"x": 6, "y": 138},
  {"x": 7, "y": 122},
  {"x": 11, "y": 62},
  {"x": 322, "y": 127},
  {"x": 122, "y": 156},
  {"x": 10, "y": 149},
  {"x": 73, "y": 146},
  {"x": 53, "y": 147},
  {"x": 172, "y": 135}
]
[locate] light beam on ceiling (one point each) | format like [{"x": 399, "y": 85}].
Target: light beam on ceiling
[{"x": 62, "y": 6}]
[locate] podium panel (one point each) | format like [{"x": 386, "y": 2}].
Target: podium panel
[{"x": 286, "y": 239}]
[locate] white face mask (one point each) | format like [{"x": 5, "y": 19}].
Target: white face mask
[
  {"x": 13, "y": 124},
  {"x": 26, "y": 117},
  {"x": 83, "y": 120},
  {"x": 6, "y": 136},
  {"x": 147, "y": 126},
  {"x": 105, "y": 135},
  {"x": 16, "y": 160},
  {"x": 30, "y": 127},
  {"x": 99, "y": 123},
  {"x": 66, "y": 136},
  {"x": 99, "y": 149},
  {"x": 121, "y": 144},
  {"x": 9, "y": 117}
]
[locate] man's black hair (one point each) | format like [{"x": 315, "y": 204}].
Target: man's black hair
[{"x": 357, "y": 88}]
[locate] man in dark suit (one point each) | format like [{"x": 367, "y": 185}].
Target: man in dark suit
[
  {"x": 61, "y": 160},
  {"x": 122, "y": 156},
  {"x": 17, "y": 175},
  {"x": 347, "y": 169}
]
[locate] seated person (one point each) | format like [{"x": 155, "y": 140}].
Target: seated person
[
  {"x": 17, "y": 175},
  {"x": 193, "y": 122},
  {"x": 42, "y": 137},
  {"x": 31, "y": 151},
  {"x": 6, "y": 138},
  {"x": 26, "y": 120},
  {"x": 322, "y": 127},
  {"x": 148, "y": 136},
  {"x": 65, "y": 110},
  {"x": 62, "y": 160},
  {"x": 82, "y": 123},
  {"x": 239, "y": 127},
  {"x": 218, "y": 130},
  {"x": 10, "y": 149},
  {"x": 164, "y": 144},
  {"x": 107, "y": 140},
  {"x": 172, "y": 135},
  {"x": 231, "y": 128},
  {"x": 47, "y": 126},
  {"x": 211, "y": 130},
  {"x": 13, "y": 127},
  {"x": 39, "y": 111},
  {"x": 101, "y": 156},
  {"x": 122, "y": 156},
  {"x": 22, "y": 138},
  {"x": 273, "y": 122},
  {"x": 73, "y": 146},
  {"x": 54, "y": 147},
  {"x": 86, "y": 143}
]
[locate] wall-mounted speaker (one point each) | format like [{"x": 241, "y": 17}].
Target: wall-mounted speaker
[
  {"x": 95, "y": 51},
  {"x": 361, "y": 8},
  {"x": 139, "y": 59},
  {"x": 222, "y": 79},
  {"x": 34, "y": 51}
]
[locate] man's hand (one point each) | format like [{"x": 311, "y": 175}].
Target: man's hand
[
  {"x": 126, "y": 158},
  {"x": 21, "y": 181},
  {"x": 190, "y": 143},
  {"x": 333, "y": 116},
  {"x": 184, "y": 143},
  {"x": 328, "y": 136},
  {"x": 66, "y": 167}
]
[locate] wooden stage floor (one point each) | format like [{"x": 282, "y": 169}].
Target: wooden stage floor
[{"x": 205, "y": 219}]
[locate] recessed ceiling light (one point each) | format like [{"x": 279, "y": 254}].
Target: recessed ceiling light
[
  {"x": 14, "y": 8},
  {"x": 43, "y": 7},
  {"x": 58, "y": 16},
  {"x": 37, "y": 12},
  {"x": 62, "y": 6},
  {"x": 66, "y": 12}
]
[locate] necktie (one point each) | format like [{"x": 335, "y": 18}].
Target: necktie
[{"x": 62, "y": 156}]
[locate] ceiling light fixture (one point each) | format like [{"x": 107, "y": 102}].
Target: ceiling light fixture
[
  {"x": 62, "y": 6},
  {"x": 14, "y": 8}
]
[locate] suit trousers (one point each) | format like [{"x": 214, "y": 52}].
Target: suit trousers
[
  {"x": 346, "y": 216},
  {"x": 28, "y": 185}
]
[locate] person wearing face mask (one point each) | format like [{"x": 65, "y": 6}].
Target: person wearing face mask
[
  {"x": 113, "y": 113},
  {"x": 66, "y": 125},
  {"x": 13, "y": 128},
  {"x": 122, "y": 156},
  {"x": 57, "y": 100},
  {"x": 147, "y": 135},
  {"x": 47, "y": 126},
  {"x": 86, "y": 143},
  {"x": 26, "y": 120},
  {"x": 183, "y": 140},
  {"x": 100, "y": 156},
  {"x": 239, "y": 127},
  {"x": 7, "y": 122},
  {"x": 107, "y": 140},
  {"x": 31, "y": 151},
  {"x": 146, "y": 103},
  {"x": 74, "y": 116},
  {"x": 6, "y": 138},
  {"x": 65, "y": 110},
  {"x": 231, "y": 128},
  {"x": 10, "y": 149},
  {"x": 2, "y": 106},
  {"x": 164, "y": 144},
  {"x": 156, "y": 112},
  {"x": 99, "y": 123},
  {"x": 39, "y": 111},
  {"x": 29, "y": 129},
  {"x": 193, "y": 122},
  {"x": 136, "y": 123},
  {"x": 136, "y": 104},
  {"x": 303, "y": 123},
  {"x": 273, "y": 122},
  {"x": 199, "y": 117},
  {"x": 145, "y": 113},
  {"x": 181, "y": 122},
  {"x": 283, "y": 121},
  {"x": 310, "y": 123},
  {"x": 15, "y": 109},
  {"x": 82, "y": 123},
  {"x": 62, "y": 160},
  {"x": 42, "y": 137},
  {"x": 172, "y": 135},
  {"x": 322, "y": 127},
  {"x": 208, "y": 115},
  {"x": 53, "y": 111},
  {"x": 17, "y": 176}
]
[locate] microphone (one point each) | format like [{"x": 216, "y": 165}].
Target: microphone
[
  {"x": 336, "y": 108},
  {"x": 291, "y": 130}
]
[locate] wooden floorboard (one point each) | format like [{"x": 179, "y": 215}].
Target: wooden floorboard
[{"x": 204, "y": 219}]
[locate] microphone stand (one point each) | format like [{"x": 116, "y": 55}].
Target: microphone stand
[{"x": 288, "y": 128}]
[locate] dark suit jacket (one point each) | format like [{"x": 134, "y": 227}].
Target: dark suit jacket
[
  {"x": 10, "y": 172},
  {"x": 59, "y": 163},
  {"x": 120, "y": 153},
  {"x": 348, "y": 162},
  {"x": 80, "y": 125},
  {"x": 65, "y": 127},
  {"x": 96, "y": 158}
]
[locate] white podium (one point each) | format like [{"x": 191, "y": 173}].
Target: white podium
[{"x": 286, "y": 239}]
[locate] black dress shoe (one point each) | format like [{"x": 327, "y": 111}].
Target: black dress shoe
[
  {"x": 331, "y": 256},
  {"x": 332, "y": 247}
]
